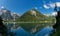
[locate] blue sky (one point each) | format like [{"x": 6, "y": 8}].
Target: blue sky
[{"x": 21, "y": 6}]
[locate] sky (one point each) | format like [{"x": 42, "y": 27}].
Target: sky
[{"x": 21, "y": 6}]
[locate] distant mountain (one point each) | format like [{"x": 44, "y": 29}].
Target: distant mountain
[
  {"x": 32, "y": 15},
  {"x": 6, "y": 14},
  {"x": 49, "y": 17},
  {"x": 15, "y": 15}
]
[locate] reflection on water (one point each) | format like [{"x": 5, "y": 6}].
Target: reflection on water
[
  {"x": 45, "y": 31},
  {"x": 19, "y": 31}
]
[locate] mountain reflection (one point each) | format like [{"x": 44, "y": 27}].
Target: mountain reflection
[{"x": 19, "y": 31}]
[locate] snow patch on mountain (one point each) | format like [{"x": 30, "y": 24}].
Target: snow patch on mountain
[{"x": 33, "y": 12}]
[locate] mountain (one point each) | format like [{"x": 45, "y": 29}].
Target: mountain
[
  {"x": 6, "y": 14},
  {"x": 32, "y": 15},
  {"x": 15, "y": 15}
]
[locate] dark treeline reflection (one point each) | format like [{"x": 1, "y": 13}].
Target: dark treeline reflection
[{"x": 3, "y": 29}]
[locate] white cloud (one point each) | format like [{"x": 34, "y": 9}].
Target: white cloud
[
  {"x": 51, "y": 5},
  {"x": 2, "y": 7},
  {"x": 45, "y": 6},
  {"x": 58, "y": 4},
  {"x": 54, "y": 13}
]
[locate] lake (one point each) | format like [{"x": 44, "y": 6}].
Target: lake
[{"x": 19, "y": 31}]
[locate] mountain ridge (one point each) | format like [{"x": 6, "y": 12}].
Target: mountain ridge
[{"x": 32, "y": 15}]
